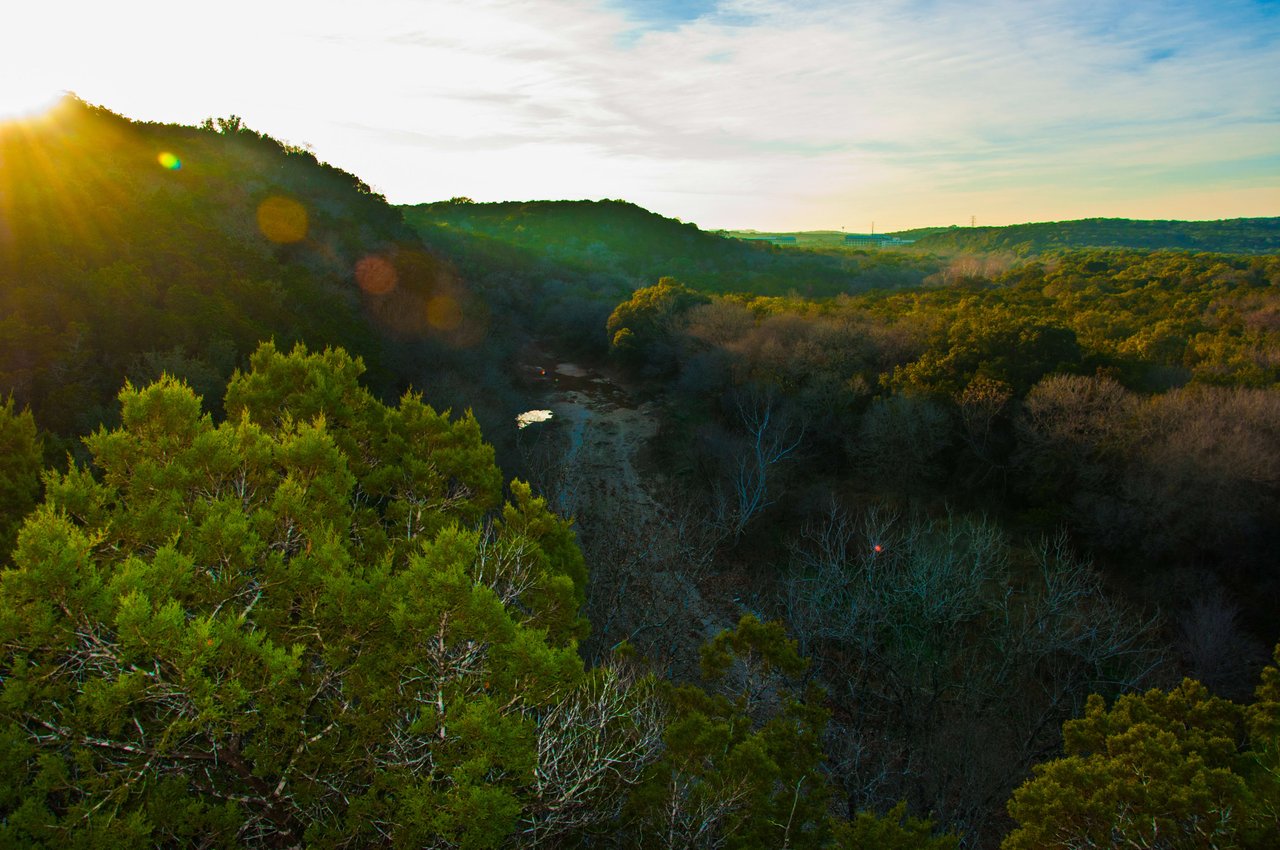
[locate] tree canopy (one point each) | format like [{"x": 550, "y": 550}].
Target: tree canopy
[
  {"x": 1174, "y": 769},
  {"x": 315, "y": 621}
]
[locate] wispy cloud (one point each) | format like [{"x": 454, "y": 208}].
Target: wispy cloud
[{"x": 749, "y": 112}]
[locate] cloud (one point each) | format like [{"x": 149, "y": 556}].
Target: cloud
[{"x": 738, "y": 112}]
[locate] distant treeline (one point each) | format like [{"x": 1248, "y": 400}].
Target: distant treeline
[{"x": 1234, "y": 236}]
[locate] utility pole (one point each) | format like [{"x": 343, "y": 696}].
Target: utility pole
[{"x": 973, "y": 221}]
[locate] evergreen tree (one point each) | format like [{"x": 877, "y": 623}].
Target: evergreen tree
[
  {"x": 1182, "y": 769},
  {"x": 306, "y": 624},
  {"x": 20, "y": 464}
]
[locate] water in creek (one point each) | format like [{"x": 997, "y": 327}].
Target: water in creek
[
  {"x": 602, "y": 425},
  {"x": 576, "y": 395},
  {"x": 529, "y": 417}
]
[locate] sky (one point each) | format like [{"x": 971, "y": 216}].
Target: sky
[{"x": 764, "y": 114}]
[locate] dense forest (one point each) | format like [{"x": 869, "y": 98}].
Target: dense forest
[
  {"x": 619, "y": 240},
  {"x": 1240, "y": 235},
  {"x": 131, "y": 250},
  {"x": 966, "y": 545}
]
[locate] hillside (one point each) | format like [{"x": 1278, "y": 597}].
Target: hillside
[
  {"x": 585, "y": 234},
  {"x": 625, "y": 241},
  {"x": 1233, "y": 236},
  {"x": 130, "y": 249}
]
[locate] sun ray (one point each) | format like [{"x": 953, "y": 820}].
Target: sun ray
[{"x": 50, "y": 151}]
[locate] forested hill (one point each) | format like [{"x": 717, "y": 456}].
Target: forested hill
[
  {"x": 586, "y": 233},
  {"x": 1232, "y": 236},
  {"x": 621, "y": 243},
  {"x": 130, "y": 249}
]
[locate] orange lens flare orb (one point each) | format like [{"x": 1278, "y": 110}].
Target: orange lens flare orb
[
  {"x": 282, "y": 220},
  {"x": 444, "y": 313},
  {"x": 169, "y": 161},
  {"x": 376, "y": 275}
]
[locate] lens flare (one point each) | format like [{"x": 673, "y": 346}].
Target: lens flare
[
  {"x": 444, "y": 313},
  {"x": 169, "y": 161},
  {"x": 282, "y": 220},
  {"x": 376, "y": 275}
]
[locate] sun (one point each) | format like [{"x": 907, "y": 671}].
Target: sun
[{"x": 21, "y": 98}]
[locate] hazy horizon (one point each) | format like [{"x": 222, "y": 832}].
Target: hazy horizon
[{"x": 732, "y": 114}]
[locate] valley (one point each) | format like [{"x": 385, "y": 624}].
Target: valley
[{"x": 329, "y": 522}]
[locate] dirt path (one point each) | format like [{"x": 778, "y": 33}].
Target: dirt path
[
  {"x": 645, "y": 560},
  {"x": 601, "y": 430}
]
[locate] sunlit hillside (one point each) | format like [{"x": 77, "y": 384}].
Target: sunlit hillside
[{"x": 131, "y": 249}]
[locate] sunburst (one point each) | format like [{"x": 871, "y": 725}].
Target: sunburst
[
  {"x": 25, "y": 97},
  {"x": 55, "y": 188}
]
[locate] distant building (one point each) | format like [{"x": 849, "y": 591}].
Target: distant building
[
  {"x": 776, "y": 240},
  {"x": 874, "y": 240}
]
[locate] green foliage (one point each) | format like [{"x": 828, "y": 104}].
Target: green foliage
[
  {"x": 1155, "y": 318},
  {"x": 600, "y": 243},
  {"x": 296, "y": 626},
  {"x": 895, "y": 830},
  {"x": 641, "y": 328},
  {"x": 1016, "y": 350},
  {"x": 21, "y": 459},
  {"x": 1175, "y": 769},
  {"x": 742, "y": 766},
  {"x": 762, "y": 647}
]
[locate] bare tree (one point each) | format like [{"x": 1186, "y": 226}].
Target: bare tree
[
  {"x": 1216, "y": 649},
  {"x": 769, "y": 437},
  {"x": 900, "y": 441},
  {"x": 592, "y": 747},
  {"x": 983, "y": 403},
  {"x": 923, "y": 633},
  {"x": 695, "y": 815},
  {"x": 646, "y": 562}
]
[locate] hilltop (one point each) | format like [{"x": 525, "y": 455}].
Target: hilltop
[
  {"x": 132, "y": 249},
  {"x": 1232, "y": 236},
  {"x": 634, "y": 246}
]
